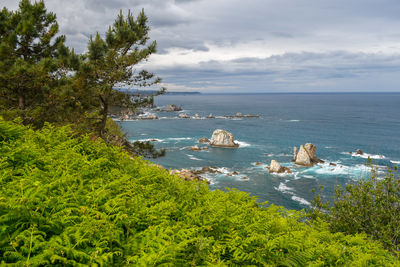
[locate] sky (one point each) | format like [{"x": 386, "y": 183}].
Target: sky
[{"x": 239, "y": 46}]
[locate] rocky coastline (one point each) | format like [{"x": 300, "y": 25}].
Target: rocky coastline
[{"x": 148, "y": 114}]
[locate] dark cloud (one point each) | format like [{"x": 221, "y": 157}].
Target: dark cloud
[{"x": 264, "y": 45}]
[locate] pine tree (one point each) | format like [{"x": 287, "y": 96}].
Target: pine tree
[
  {"x": 29, "y": 50},
  {"x": 110, "y": 63}
]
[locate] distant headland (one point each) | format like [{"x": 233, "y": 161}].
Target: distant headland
[{"x": 153, "y": 92}]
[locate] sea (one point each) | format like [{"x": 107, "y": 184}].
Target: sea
[{"x": 337, "y": 123}]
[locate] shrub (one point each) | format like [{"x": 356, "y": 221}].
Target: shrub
[{"x": 370, "y": 205}]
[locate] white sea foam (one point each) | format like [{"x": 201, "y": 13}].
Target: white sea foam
[
  {"x": 192, "y": 157},
  {"x": 179, "y": 138},
  {"x": 242, "y": 144},
  {"x": 294, "y": 120},
  {"x": 150, "y": 140},
  {"x": 284, "y": 155},
  {"x": 395, "y": 162},
  {"x": 364, "y": 155},
  {"x": 301, "y": 200},
  {"x": 284, "y": 188},
  {"x": 355, "y": 171},
  {"x": 288, "y": 190}
]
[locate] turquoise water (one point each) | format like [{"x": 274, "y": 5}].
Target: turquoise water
[{"x": 335, "y": 123}]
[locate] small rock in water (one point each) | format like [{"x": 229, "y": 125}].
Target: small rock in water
[
  {"x": 275, "y": 167},
  {"x": 195, "y": 148},
  {"x": 172, "y": 107},
  {"x": 258, "y": 164},
  {"x": 239, "y": 114},
  {"x": 332, "y": 164},
  {"x": 359, "y": 152},
  {"x": 204, "y": 140},
  {"x": 183, "y": 116}
]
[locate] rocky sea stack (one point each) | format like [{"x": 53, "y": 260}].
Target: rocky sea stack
[
  {"x": 305, "y": 156},
  {"x": 275, "y": 167},
  {"x": 222, "y": 138}
]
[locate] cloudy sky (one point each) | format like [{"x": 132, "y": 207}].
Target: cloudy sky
[{"x": 256, "y": 45}]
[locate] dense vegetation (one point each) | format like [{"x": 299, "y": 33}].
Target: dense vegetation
[
  {"x": 69, "y": 200},
  {"x": 370, "y": 205}
]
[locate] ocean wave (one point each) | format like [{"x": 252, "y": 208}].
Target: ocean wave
[
  {"x": 288, "y": 190},
  {"x": 150, "y": 140},
  {"x": 284, "y": 188},
  {"x": 395, "y": 162},
  {"x": 301, "y": 200},
  {"x": 364, "y": 155},
  {"x": 179, "y": 138},
  {"x": 192, "y": 157},
  {"x": 355, "y": 171},
  {"x": 294, "y": 120},
  {"x": 168, "y": 118},
  {"x": 242, "y": 144}
]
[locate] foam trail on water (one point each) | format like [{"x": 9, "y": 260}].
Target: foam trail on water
[
  {"x": 242, "y": 144},
  {"x": 192, "y": 157},
  {"x": 179, "y": 138},
  {"x": 288, "y": 190},
  {"x": 301, "y": 200},
  {"x": 395, "y": 162}
]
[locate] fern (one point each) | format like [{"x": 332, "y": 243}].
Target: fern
[{"x": 71, "y": 201}]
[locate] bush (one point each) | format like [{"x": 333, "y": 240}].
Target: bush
[
  {"x": 370, "y": 206},
  {"x": 73, "y": 201}
]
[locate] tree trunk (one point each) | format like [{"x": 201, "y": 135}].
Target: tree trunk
[
  {"x": 21, "y": 100},
  {"x": 104, "y": 117},
  {"x": 21, "y": 104}
]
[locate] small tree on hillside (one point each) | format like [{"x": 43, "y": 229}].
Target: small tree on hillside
[{"x": 110, "y": 63}]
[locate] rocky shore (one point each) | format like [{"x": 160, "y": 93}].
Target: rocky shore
[{"x": 147, "y": 114}]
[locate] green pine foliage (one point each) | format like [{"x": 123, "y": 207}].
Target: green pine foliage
[{"x": 71, "y": 201}]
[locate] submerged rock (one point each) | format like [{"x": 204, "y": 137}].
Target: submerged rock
[
  {"x": 222, "y": 138},
  {"x": 197, "y": 148}
]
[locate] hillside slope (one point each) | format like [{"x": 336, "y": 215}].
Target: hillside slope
[{"x": 68, "y": 200}]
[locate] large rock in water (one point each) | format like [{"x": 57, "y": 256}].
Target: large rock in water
[
  {"x": 275, "y": 167},
  {"x": 306, "y": 155},
  {"x": 221, "y": 138}
]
